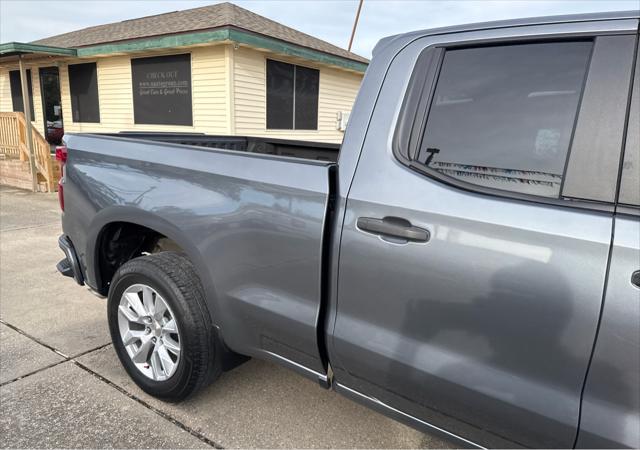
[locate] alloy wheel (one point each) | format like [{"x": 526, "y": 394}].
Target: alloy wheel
[{"x": 149, "y": 332}]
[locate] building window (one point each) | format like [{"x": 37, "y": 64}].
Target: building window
[
  {"x": 292, "y": 96},
  {"x": 162, "y": 90},
  {"x": 83, "y": 84},
  {"x": 16, "y": 92},
  {"x": 502, "y": 116}
]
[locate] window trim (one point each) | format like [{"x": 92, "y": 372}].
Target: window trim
[
  {"x": 633, "y": 113},
  {"x": 604, "y": 106},
  {"x": 405, "y": 150},
  {"x": 266, "y": 87},
  {"x": 626, "y": 210}
]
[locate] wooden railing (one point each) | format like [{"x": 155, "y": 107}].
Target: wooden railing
[
  {"x": 13, "y": 144},
  {"x": 13, "y": 136}
]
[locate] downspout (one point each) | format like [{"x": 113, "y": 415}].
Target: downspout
[{"x": 26, "y": 102}]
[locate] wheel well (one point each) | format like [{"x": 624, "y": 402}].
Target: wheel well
[{"x": 119, "y": 242}]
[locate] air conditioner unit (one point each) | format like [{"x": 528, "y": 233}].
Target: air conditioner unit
[{"x": 342, "y": 117}]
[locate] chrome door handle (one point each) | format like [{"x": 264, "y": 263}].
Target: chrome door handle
[{"x": 395, "y": 227}]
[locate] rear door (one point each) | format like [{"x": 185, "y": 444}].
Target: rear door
[{"x": 475, "y": 242}]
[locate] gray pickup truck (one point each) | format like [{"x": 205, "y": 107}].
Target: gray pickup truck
[{"x": 467, "y": 262}]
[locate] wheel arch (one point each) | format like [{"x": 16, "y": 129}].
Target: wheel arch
[{"x": 143, "y": 221}]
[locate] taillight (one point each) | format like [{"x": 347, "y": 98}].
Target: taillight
[
  {"x": 61, "y": 153},
  {"x": 61, "y": 156}
]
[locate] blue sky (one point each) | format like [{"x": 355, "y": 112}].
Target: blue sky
[{"x": 24, "y": 20}]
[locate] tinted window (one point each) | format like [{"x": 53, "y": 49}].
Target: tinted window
[
  {"x": 16, "y": 92},
  {"x": 83, "y": 85},
  {"x": 306, "y": 98},
  {"x": 502, "y": 117},
  {"x": 292, "y": 96},
  {"x": 279, "y": 95},
  {"x": 162, "y": 90}
]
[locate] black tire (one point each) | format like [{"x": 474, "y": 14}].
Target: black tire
[{"x": 173, "y": 276}]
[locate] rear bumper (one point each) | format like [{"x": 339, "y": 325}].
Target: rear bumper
[{"x": 70, "y": 265}]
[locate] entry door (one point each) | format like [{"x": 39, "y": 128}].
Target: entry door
[
  {"x": 51, "y": 104},
  {"x": 469, "y": 286}
]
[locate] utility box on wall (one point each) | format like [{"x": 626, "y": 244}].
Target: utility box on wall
[{"x": 342, "y": 117}]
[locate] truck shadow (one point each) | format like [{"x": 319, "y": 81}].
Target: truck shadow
[{"x": 512, "y": 360}]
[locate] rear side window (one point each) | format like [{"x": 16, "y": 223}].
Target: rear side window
[{"x": 502, "y": 117}]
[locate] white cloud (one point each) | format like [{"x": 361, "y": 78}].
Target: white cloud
[{"x": 24, "y": 21}]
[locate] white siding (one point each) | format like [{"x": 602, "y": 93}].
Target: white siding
[
  {"x": 338, "y": 89},
  {"x": 116, "y": 98},
  {"x": 228, "y": 93},
  {"x": 5, "y": 91}
]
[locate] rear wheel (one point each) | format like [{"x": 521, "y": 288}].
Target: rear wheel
[
  {"x": 160, "y": 326},
  {"x": 149, "y": 332}
]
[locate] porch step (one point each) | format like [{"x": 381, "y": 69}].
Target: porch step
[{"x": 17, "y": 174}]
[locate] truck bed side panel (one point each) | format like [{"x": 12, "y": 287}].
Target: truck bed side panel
[{"x": 252, "y": 224}]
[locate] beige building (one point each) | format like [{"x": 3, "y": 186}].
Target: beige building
[{"x": 217, "y": 69}]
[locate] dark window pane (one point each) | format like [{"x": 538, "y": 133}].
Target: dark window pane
[
  {"x": 279, "y": 95},
  {"x": 83, "y": 84},
  {"x": 306, "y": 98},
  {"x": 502, "y": 117},
  {"x": 50, "y": 88},
  {"x": 16, "y": 92},
  {"x": 162, "y": 90}
]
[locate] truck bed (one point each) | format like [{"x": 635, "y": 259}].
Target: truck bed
[
  {"x": 319, "y": 151},
  {"x": 251, "y": 212}
]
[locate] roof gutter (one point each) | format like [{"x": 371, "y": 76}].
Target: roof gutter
[
  {"x": 13, "y": 48},
  {"x": 278, "y": 46},
  {"x": 220, "y": 35}
]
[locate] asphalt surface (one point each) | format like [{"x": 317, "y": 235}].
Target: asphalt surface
[{"x": 61, "y": 384}]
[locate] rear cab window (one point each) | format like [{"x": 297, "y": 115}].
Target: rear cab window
[{"x": 504, "y": 119}]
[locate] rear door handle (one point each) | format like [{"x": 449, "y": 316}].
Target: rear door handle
[{"x": 394, "y": 227}]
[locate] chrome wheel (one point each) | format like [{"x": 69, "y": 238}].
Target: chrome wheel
[{"x": 149, "y": 332}]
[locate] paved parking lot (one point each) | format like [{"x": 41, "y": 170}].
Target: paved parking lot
[{"x": 61, "y": 384}]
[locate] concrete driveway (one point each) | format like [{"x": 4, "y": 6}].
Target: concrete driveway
[{"x": 61, "y": 384}]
